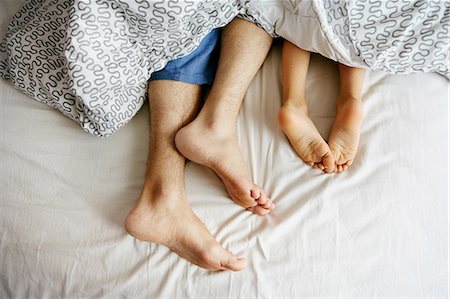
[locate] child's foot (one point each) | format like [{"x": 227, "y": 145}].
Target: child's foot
[
  {"x": 345, "y": 132},
  {"x": 218, "y": 149},
  {"x": 304, "y": 137}
]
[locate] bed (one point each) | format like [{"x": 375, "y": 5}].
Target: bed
[{"x": 378, "y": 230}]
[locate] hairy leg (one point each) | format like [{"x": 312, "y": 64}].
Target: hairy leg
[
  {"x": 162, "y": 213},
  {"x": 293, "y": 115},
  {"x": 345, "y": 132},
  {"x": 211, "y": 138}
]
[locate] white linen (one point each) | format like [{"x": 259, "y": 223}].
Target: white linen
[{"x": 380, "y": 229}]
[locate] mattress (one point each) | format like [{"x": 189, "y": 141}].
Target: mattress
[{"x": 378, "y": 230}]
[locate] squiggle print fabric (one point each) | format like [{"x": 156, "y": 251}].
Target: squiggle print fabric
[
  {"x": 398, "y": 37},
  {"x": 91, "y": 59}
]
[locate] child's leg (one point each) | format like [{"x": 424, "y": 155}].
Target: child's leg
[
  {"x": 293, "y": 115},
  {"x": 344, "y": 135}
]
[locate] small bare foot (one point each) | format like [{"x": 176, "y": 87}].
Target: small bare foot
[
  {"x": 171, "y": 222},
  {"x": 219, "y": 150},
  {"x": 304, "y": 137},
  {"x": 345, "y": 132}
]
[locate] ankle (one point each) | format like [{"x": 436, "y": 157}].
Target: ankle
[
  {"x": 225, "y": 106},
  {"x": 296, "y": 104},
  {"x": 218, "y": 122},
  {"x": 155, "y": 188},
  {"x": 346, "y": 97}
]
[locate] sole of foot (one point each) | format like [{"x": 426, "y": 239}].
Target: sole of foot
[
  {"x": 305, "y": 138},
  {"x": 345, "y": 133}
]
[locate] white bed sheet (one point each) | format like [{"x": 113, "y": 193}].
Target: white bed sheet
[{"x": 378, "y": 230}]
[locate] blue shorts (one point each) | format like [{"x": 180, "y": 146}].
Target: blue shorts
[{"x": 199, "y": 67}]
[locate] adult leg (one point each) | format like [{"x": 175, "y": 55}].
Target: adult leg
[
  {"x": 293, "y": 115},
  {"x": 162, "y": 213},
  {"x": 211, "y": 138},
  {"x": 345, "y": 132}
]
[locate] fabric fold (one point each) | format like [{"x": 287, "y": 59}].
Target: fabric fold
[{"x": 91, "y": 59}]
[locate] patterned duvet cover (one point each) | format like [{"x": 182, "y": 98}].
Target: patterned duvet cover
[{"x": 91, "y": 59}]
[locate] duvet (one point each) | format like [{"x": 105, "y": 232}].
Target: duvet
[{"x": 91, "y": 59}]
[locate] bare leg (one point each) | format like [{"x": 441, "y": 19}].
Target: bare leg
[
  {"x": 345, "y": 132},
  {"x": 162, "y": 213},
  {"x": 293, "y": 115},
  {"x": 211, "y": 138}
]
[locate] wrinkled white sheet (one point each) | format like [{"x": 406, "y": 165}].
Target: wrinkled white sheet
[{"x": 378, "y": 230}]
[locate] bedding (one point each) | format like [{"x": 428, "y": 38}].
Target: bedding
[
  {"x": 378, "y": 230},
  {"x": 397, "y": 37},
  {"x": 91, "y": 59}
]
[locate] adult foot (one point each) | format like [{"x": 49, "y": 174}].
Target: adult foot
[
  {"x": 304, "y": 137},
  {"x": 218, "y": 149},
  {"x": 345, "y": 132},
  {"x": 168, "y": 220}
]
